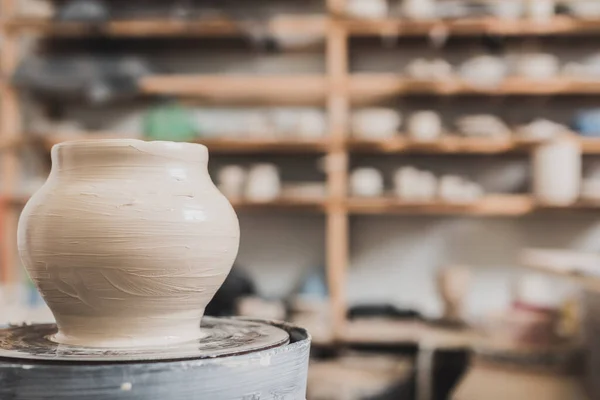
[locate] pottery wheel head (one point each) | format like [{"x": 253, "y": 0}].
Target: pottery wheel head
[{"x": 222, "y": 337}]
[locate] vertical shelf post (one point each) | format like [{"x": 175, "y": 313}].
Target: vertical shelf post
[
  {"x": 337, "y": 227},
  {"x": 10, "y": 129}
]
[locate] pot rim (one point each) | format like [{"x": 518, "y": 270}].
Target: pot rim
[{"x": 193, "y": 152}]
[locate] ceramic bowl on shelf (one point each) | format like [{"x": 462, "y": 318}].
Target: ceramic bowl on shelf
[
  {"x": 375, "y": 123},
  {"x": 429, "y": 70},
  {"x": 312, "y": 124},
  {"x": 538, "y": 66},
  {"x": 482, "y": 125},
  {"x": 424, "y": 126},
  {"x": 542, "y": 129},
  {"x": 304, "y": 190},
  {"x": 414, "y": 185},
  {"x": 366, "y": 182},
  {"x": 508, "y": 9},
  {"x": 369, "y": 9},
  {"x": 418, "y": 9},
  {"x": 484, "y": 71},
  {"x": 541, "y": 10}
]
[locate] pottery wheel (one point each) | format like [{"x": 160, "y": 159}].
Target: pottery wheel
[{"x": 221, "y": 337}]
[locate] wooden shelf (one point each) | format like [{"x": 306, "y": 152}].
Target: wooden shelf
[
  {"x": 228, "y": 146},
  {"x": 560, "y": 25},
  {"x": 367, "y": 87},
  {"x": 576, "y": 266},
  {"x": 295, "y": 89},
  {"x": 445, "y": 145},
  {"x": 491, "y": 205},
  {"x": 285, "y": 24},
  {"x": 282, "y": 204}
]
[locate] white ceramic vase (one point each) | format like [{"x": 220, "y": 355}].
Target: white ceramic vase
[
  {"x": 128, "y": 241},
  {"x": 557, "y": 171}
]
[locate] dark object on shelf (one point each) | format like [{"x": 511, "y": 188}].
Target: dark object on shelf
[
  {"x": 95, "y": 79},
  {"x": 402, "y": 390},
  {"x": 237, "y": 285},
  {"x": 382, "y": 310},
  {"x": 85, "y": 11}
]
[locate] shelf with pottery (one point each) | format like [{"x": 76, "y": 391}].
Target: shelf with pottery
[
  {"x": 214, "y": 27},
  {"x": 296, "y": 89},
  {"x": 218, "y": 145},
  {"x": 368, "y": 87},
  {"x": 558, "y": 25},
  {"x": 579, "y": 267}
]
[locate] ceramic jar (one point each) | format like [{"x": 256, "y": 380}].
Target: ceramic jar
[
  {"x": 557, "y": 171},
  {"x": 424, "y": 126},
  {"x": 128, "y": 241},
  {"x": 484, "y": 71},
  {"x": 264, "y": 183}
]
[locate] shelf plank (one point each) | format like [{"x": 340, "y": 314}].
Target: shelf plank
[
  {"x": 578, "y": 267},
  {"x": 560, "y": 25},
  {"x": 370, "y": 87},
  {"x": 215, "y": 145},
  {"x": 491, "y": 205},
  {"x": 296, "y": 89},
  {"x": 216, "y": 27},
  {"x": 450, "y": 144}
]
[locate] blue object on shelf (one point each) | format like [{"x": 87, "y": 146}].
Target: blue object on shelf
[
  {"x": 587, "y": 122},
  {"x": 314, "y": 284}
]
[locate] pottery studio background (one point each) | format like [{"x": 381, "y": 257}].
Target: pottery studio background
[{"x": 402, "y": 170}]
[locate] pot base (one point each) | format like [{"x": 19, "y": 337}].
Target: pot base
[
  {"x": 220, "y": 337},
  {"x": 244, "y": 359}
]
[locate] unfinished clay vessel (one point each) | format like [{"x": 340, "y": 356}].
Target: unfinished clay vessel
[{"x": 128, "y": 241}]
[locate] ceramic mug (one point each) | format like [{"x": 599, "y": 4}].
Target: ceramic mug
[
  {"x": 538, "y": 66},
  {"x": 264, "y": 183}
]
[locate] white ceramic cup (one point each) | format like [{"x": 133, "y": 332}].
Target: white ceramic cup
[
  {"x": 538, "y": 66},
  {"x": 371, "y": 9},
  {"x": 418, "y": 9},
  {"x": 425, "y": 126}
]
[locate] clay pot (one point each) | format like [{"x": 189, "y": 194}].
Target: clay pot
[{"x": 128, "y": 241}]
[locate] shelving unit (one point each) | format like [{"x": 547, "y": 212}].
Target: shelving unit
[{"x": 337, "y": 89}]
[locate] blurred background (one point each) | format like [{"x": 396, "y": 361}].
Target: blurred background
[{"x": 418, "y": 181}]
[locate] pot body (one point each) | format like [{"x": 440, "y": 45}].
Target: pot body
[{"x": 128, "y": 241}]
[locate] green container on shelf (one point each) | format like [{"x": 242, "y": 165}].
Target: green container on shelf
[{"x": 170, "y": 122}]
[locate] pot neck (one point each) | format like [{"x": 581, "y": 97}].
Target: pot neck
[{"x": 126, "y": 153}]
